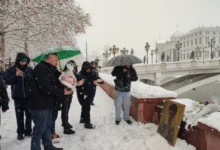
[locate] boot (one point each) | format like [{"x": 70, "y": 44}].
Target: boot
[
  {"x": 117, "y": 122},
  {"x": 81, "y": 120},
  {"x": 92, "y": 104},
  {"x": 68, "y": 131},
  {"x": 20, "y": 136},
  {"x": 55, "y": 148},
  {"x": 67, "y": 126},
  {"x": 89, "y": 126},
  {"x": 129, "y": 122},
  {"x": 28, "y": 134}
]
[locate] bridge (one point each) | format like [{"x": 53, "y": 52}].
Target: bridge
[{"x": 177, "y": 76}]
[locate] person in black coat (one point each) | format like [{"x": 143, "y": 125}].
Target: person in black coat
[
  {"x": 4, "y": 99},
  {"x": 19, "y": 76},
  {"x": 45, "y": 94},
  {"x": 85, "y": 94},
  {"x": 96, "y": 74},
  {"x": 124, "y": 75}
]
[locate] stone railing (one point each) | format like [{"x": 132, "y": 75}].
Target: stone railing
[{"x": 152, "y": 68}]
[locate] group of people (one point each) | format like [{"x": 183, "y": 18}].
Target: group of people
[{"x": 38, "y": 95}]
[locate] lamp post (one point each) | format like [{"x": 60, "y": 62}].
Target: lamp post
[
  {"x": 178, "y": 47},
  {"x": 114, "y": 50},
  {"x": 211, "y": 45},
  {"x": 106, "y": 54},
  {"x": 156, "y": 51},
  {"x": 124, "y": 51},
  {"x": 152, "y": 54},
  {"x": 132, "y": 52},
  {"x": 147, "y": 47}
]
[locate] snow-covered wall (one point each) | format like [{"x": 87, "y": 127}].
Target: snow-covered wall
[{"x": 142, "y": 90}]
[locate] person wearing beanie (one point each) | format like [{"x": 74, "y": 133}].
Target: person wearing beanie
[
  {"x": 85, "y": 94},
  {"x": 19, "y": 77}
]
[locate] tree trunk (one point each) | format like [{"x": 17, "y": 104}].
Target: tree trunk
[{"x": 2, "y": 45}]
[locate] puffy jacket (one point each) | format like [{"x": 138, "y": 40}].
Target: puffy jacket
[
  {"x": 19, "y": 85},
  {"x": 123, "y": 79}
]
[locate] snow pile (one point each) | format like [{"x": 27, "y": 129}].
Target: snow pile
[
  {"x": 213, "y": 120},
  {"x": 106, "y": 136},
  {"x": 142, "y": 90},
  {"x": 194, "y": 112}
]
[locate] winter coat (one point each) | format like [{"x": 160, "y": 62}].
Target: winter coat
[
  {"x": 85, "y": 89},
  {"x": 19, "y": 85},
  {"x": 46, "y": 89},
  {"x": 4, "y": 99},
  {"x": 123, "y": 79}
]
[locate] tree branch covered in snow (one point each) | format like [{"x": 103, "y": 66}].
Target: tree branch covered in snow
[{"x": 40, "y": 24}]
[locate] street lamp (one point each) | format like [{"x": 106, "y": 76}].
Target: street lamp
[
  {"x": 211, "y": 45},
  {"x": 178, "y": 47},
  {"x": 124, "y": 51},
  {"x": 152, "y": 54},
  {"x": 132, "y": 52},
  {"x": 156, "y": 51},
  {"x": 106, "y": 54},
  {"x": 147, "y": 47},
  {"x": 114, "y": 50}
]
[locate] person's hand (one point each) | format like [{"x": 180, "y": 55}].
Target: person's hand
[
  {"x": 19, "y": 72},
  {"x": 95, "y": 83},
  {"x": 66, "y": 92},
  {"x": 125, "y": 70},
  {"x": 81, "y": 82}
]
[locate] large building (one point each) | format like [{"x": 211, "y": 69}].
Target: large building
[{"x": 195, "y": 45}]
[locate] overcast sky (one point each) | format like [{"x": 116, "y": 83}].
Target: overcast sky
[{"x": 131, "y": 23}]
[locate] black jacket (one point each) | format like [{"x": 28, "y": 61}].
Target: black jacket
[
  {"x": 123, "y": 79},
  {"x": 4, "y": 99},
  {"x": 85, "y": 89},
  {"x": 19, "y": 85},
  {"x": 46, "y": 89}
]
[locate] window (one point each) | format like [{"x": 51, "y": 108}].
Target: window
[
  {"x": 195, "y": 34},
  {"x": 184, "y": 44},
  {"x": 207, "y": 32},
  {"x": 219, "y": 40},
  {"x": 181, "y": 56},
  {"x": 200, "y": 40},
  {"x": 206, "y": 40},
  {"x": 192, "y": 35},
  {"x": 191, "y": 42},
  {"x": 196, "y": 42},
  {"x": 200, "y": 33},
  {"x": 200, "y": 54},
  {"x": 184, "y": 56},
  {"x": 214, "y": 32},
  {"x": 188, "y": 36},
  {"x": 187, "y": 55},
  {"x": 187, "y": 43}
]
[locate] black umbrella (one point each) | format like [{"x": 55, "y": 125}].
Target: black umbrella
[{"x": 123, "y": 60}]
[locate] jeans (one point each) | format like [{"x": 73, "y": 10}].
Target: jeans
[
  {"x": 119, "y": 96},
  {"x": 54, "y": 118},
  {"x": 21, "y": 110},
  {"x": 42, "y": 124}
]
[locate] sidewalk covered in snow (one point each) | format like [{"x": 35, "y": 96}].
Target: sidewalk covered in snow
[{"x": 106, "y": 136}]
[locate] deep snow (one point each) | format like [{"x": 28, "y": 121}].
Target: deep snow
[{"x": 106, "y": 136}]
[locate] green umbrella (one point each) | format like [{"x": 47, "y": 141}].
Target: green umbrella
[{"x": 63, "y": 52}]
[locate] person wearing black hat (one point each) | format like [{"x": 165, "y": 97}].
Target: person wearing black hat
[
  {"x": 19, "y": 77},
  {"x": 85, "y": 94}
]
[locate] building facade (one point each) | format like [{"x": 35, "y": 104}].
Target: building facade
[{"x": 195, "y": 45}]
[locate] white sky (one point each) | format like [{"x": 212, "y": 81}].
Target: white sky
[{"x": 131, "y": 23}]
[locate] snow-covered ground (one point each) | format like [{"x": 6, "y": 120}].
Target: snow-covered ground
[{"x": 106, "y": 136}]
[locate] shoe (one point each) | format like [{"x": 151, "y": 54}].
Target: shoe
[
  {"x": 68, "y": 131},
  {"x": 81, "y": 120},
  {"x": 92, "y": 104},
  {"x": 117, "y": 122},
  {"x": 129, "y": 122},
  {"x": 55, "y": 148},
  {"x": 68, "y": 126},
  {"x": 28, "y": 134},
  {"x": 89, "y": 126},
  {"x": 20, "y": 136},
  {"x": 54, "y": 136}
]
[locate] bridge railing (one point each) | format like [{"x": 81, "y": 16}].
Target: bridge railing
[{"x": 199, "y": 64}]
